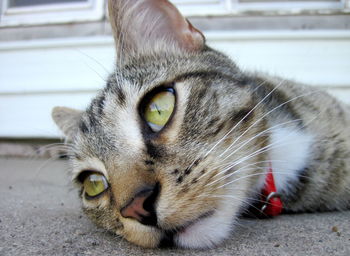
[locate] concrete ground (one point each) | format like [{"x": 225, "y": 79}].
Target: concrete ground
[{"x": 40, "y": 215}]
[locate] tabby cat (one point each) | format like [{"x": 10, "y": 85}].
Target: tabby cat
[{"x": 180, "y": 141}]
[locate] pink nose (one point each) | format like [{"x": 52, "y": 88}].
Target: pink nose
[
  {"x": 135, "y": 208},
  {"x": 141, "y": 207}
]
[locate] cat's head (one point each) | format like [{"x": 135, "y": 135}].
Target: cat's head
[{"x": 161, "y": 153}]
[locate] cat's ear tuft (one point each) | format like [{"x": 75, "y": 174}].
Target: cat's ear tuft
[
  {"x": 140, "y": 26},
  {"x": 67, "y": 119}
]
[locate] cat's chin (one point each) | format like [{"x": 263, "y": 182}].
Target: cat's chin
[
  {"x": 209, "y": 230},
  {"x": 206, "y": 232}
]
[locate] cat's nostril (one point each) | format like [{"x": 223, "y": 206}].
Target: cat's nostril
[
  {"x": 141, "y": 207},
  {"x": 150, "y": 201}
]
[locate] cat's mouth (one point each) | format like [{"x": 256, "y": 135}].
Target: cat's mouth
[{"x": 170, "y": 236}]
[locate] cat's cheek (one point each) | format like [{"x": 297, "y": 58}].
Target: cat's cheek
[{"x": 145, "y": 236}]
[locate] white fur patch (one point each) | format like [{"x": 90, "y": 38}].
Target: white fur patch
[
  {"x": 130, "y": 129},
  {"x": 127, "y": 119},
  {"x": 209, "y": 231},
  {"x": 289, "y": 155}
]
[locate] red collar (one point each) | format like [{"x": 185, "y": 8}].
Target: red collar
[{"x": 272, "y": 202}]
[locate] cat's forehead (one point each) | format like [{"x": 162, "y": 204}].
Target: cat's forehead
[
  {"x": 154, "y": 69},
  {"x": 161, "y": 67}
]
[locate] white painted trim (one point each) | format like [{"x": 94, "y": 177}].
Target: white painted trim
[
  {"x": 51, "y": 14},
  {"x": 203, "y": 8},
  {"x": 292, "y": 7},
  {"x": 277, "y": 35},
  {"x": 196, "y": 2},
  {"x": 210, "y": 36},
  {"x": 60, "y": 7},
  {"x": 23, "y": 116},
  {"x": 56, "y": 43}
]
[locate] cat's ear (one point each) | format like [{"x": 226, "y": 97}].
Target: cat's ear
[
  {"x": 67, "y": 119},
  {"x": 141, "y": 26}
]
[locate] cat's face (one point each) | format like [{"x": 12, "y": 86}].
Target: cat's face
[{"x": 153, "y": 154}]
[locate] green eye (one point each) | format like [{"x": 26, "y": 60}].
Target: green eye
[
  {"x": 95, "y": 184},
  {"x": 159, "y": 109}
]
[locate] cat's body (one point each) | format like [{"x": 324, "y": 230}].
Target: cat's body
[{"x": 186, "y": 181}]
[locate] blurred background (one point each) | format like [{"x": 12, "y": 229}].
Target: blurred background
[{"x": 59, "y": 53}]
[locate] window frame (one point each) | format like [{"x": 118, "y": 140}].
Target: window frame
[
  {"x": 236, "y": 8},
  {"x": 95, "y": 10},
  {"x": 91, "y": 10},
  {"x": 200, "y": 8}
]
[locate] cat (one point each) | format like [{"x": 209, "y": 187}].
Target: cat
[{"x": 181, "y": 142}]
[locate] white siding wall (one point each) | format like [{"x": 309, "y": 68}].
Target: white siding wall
[{"x": 38, "y": 75}]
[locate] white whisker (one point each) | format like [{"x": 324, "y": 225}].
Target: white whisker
[{"x": 266, "y": 114}]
